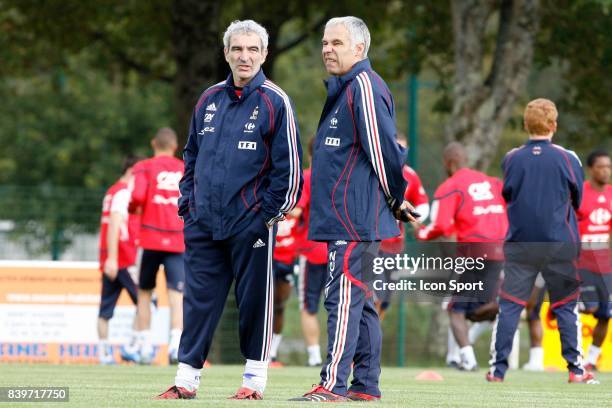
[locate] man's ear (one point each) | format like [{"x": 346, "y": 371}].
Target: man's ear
[
  {"x": 265, "y": 55},
  {"x": 225, "y": 54},
  {"x": 359, "y": 49}
]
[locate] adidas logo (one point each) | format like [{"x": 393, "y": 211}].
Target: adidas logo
[
  {"x": 259, "y": 243},
  {"x": 342, "y": 242},
  {"x": 211, "y": 107}
]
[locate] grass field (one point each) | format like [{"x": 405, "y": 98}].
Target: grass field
[{"x": 93, "y": 386}]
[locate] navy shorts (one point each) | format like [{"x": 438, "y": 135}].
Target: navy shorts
[
  {"x": 111, "y": 291},
  {"x": 174, "y": 267},
  {"x": 468, "y": 302},
  {"x": 595, "y": 293},
  {"x": 282, "y": 272},
  {"x": 555, "y": 260},
  {"x": 312, "y": 280}
]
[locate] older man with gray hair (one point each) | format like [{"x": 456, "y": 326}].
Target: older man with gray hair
[
  {"x": 357, "y": 194},
  {"x": 243, "y": 173}
]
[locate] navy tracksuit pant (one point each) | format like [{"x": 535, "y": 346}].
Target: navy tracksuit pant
[
  {"x": 210, "y": 268},
  {"x": 523, "y": 263},
  {"x": 353, "y": 327}
]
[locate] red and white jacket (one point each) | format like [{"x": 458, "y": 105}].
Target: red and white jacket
[
  {"x": 156, "y": 192},
  {"x": 469, "y": 205},
  {"x": 315, "y": 252},
  {"x": 117, "y": 199}
]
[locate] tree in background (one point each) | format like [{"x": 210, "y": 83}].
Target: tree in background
[
  {"x": 176, "y": 42},
  {"x": 484, "y": 97},
  {"x": 575, "y": 40},
  {"x": 490, "y": 57}
]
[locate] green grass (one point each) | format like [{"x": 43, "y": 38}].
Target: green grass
[{"x": 133, "y": 386}]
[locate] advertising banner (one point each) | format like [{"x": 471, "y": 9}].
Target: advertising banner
[{"x": 49, "y": 313}]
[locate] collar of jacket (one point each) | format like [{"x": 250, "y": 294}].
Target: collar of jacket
[
  {"x": 534, "y": 141},
  {"x": 255, "y": 83},
  {"x": 335, "y": 83}
]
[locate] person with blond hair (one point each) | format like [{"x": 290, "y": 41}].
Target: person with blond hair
[{"x": 543, "y": 185}]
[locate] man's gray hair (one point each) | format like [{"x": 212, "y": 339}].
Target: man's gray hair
[
  {"x": 358, "y": 30},
  {"x": 246, "y": 27}
]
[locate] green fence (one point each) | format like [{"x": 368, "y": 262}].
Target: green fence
[{"x": 49, "y": 222}]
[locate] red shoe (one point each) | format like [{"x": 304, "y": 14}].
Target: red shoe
[
  {"x": 590, "y": 367},
  {"x": 586, "y": 378},
  {"x": 275, "y": 364},
  {"x": 175, "y": 392},
  {"x": 320, "y": 394},
  {"x": 245, "y": 393},
  {"x": 359, "y": 396},
  {"x": 491, "y": 378}
]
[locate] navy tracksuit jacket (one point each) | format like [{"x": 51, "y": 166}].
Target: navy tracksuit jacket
[
  {"x": 356, "y": 182},
  {"x": 357, "y": 163},
  {"x": 242, "y": 174},
  {"x": 243, "y": 156},
  {"x": 543, "y": 188}
]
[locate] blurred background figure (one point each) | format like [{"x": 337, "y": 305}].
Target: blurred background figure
[
  {"x": 155, "y": 194},
  {"x": 416, "y": 195},
  {"x": 543, "y": 184},
  {"x": 534, "y": 325},
  {"x": 312, "y": 272},
  {"x": 118, "y": 233},
  {"x": 469, "y": 206},
  {"x": 595, "y": 262},
  {"x": 283, "y": 262}
]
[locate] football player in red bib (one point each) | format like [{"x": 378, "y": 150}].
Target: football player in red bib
[{"x": 594, "y": 264}]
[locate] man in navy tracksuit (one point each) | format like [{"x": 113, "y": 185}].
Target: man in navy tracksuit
[
  {"x": 357, "y": 184},
  {"x": 543, "y": 188},
  {"x": 242, "y": 174}
]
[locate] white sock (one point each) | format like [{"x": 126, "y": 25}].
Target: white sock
[
  {"x": 103, "y": 348},
  {"x": 133, "y": 339},
  {"x": 593, "y": 355},
  {"x": 175, "y": 338},
  {"x": 476, "y": 330},
  {"x": 276, "y": 340},
  {"x": 133, "y": 345},
  {"x": 314, "y": 354},
  {"x": 536, "y": 356},
  {"x": 255, "y": 375},
  {"x": 453, "y": 349},
  {"x": 467, "y": 356},
  {"x": 144, "y": 338},
  {"x": 187, "y": 377}
]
